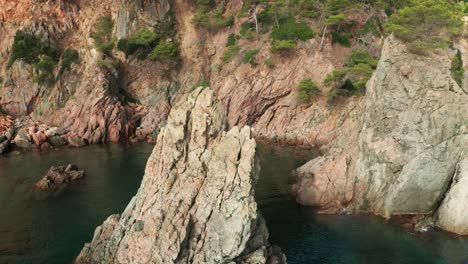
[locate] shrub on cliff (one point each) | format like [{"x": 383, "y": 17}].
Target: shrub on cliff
[
  {"x": 307, "y": 89},
  {"x": 69, "y": 57},
  {"x": 457, "y": 70},
  {"x": 28, "y": 48},
  {"x": 230, "y": 52},
  {"x": 165, "y": 50},
  {"x": 249, "y": 57},
  {"x": 427, "y": 24},
  {"x": 282, "y": 46},
  {"x": 102, "y": 34},
  {"x": 142, "y": 41},
  {"x": 292, "y": 30},
  {"x": 213, "y": 20},
  {"x": 352, "y": 79},
  {"x": 45, "y": 67}
]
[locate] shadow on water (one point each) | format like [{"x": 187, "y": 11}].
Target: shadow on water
[{"x": 340, "y": 239}]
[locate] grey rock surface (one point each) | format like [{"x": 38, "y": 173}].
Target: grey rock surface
[
  {"x": 196, "y": 201},
  {"x": 452, "y": 214}
]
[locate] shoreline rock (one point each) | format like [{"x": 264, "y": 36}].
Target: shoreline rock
[{"x": 196, "y": 201}]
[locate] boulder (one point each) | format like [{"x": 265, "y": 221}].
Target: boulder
[
  {"x": 57, "y": 141},
  {"x": 452, "y": 214},
  {"x": 22, "y": 139},
  {"x": 76, "y": 141},
  {"x": 196, "y": 201},
  {"x": 59, "y": 177}
]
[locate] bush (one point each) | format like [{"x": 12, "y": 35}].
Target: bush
[
  {"x": 230, "y": 52},
  {"x": 45, "y": 66},
  {"x": 102, "y": 34},
  {"x": 69, "y": 57},
  {"x": 203, "y": 83},
  {"x": 457, "y": 69},
  {"x": 360, "y": 56},
  {"x": 28, "y": 48},
  {"x": 269, "y": 63},
  {"x": 213, "y": 20},
  {"x": 352, "y": 79},
  {"x": 249, "y": 57},
  {"x": 307, "y": 89},
  {"x": 282, "y": 46},
  {"x": 246, "y": 30},
  {"x": 143, "y": 41},
  {"x": 426, "y": 24},
  {"x": 341, "y": 38},
  {"x": 165, "y": 50},
  {"x": 108, "y": 63},
  {"x": 291, "y": 30},
  {"x": 231, "y": 41}
]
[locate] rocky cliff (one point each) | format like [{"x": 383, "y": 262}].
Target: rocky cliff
[
  {"x": 196, "y": 202},
  {"x": 412, "y": 138}
]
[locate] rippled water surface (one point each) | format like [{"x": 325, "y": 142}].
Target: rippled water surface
[{"x": 54, "y": 230}]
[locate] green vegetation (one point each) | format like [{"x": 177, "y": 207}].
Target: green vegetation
[
  {"x": 307, "y": 89},
  {"x": 282, "y": 46},
  {"x": 143, "y": 41},
  {"x": 231, "y": 41},
  {"x": 341, "y": 38},
  {"x": 457, "y": 69},
  {"x": 292, "y": 30},
  {"x": 69, "y": 57},
  {"x": 203, "y": 83},
  {"x": 427, "y": 24},
  {"x": 108, "y": 63},
  {"x": 249, "y": 57},
  {"x": 32, "y": 50},
  {"x": 102, "y": 34},
  {"x": 212, "y": 19},
  {"x": 29, "y": 48},
  {"x": 230, "y": 52},
  {"x": 165, "y": 50},
  {"x": 352, "y": 79},
  {"x": 269, "y": 63}
]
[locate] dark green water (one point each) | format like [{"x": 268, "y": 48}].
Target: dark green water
[
  {"x": 330, "y": 239},
  {"x": 54, "y": 230}
]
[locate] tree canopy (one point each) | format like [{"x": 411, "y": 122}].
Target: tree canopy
[{"x": 427, "y": 24}]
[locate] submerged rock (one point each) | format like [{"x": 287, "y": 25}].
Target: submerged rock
[
  {"x": 59, "y": 177},
  {"x": 196, "y": 201}
]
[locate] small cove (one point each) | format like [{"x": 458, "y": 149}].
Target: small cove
[{"x": 54, "y": 230}]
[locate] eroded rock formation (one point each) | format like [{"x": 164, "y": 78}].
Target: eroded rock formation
[
  {"x": 59, "y": 177},
  {"x": 196, "y": 202},
  {"x": 413, "y": 133}
]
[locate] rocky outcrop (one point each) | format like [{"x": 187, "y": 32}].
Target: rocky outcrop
[
  {"x": 196, "y": 201},
  {"x": 414, "y": 131},
  {"x": 452, "y": 214},
  {"x": 59, "y": 177}
]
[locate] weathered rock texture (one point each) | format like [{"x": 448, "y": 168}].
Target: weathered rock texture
[
  {"x": 413, "y": 131},
  {"x": 59, "y": 177},
  {"x": 196, "y": 202},
  {"x": 452, "y": 214}
]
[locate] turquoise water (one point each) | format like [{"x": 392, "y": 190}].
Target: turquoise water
[{"x": 54, "y": 230}]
